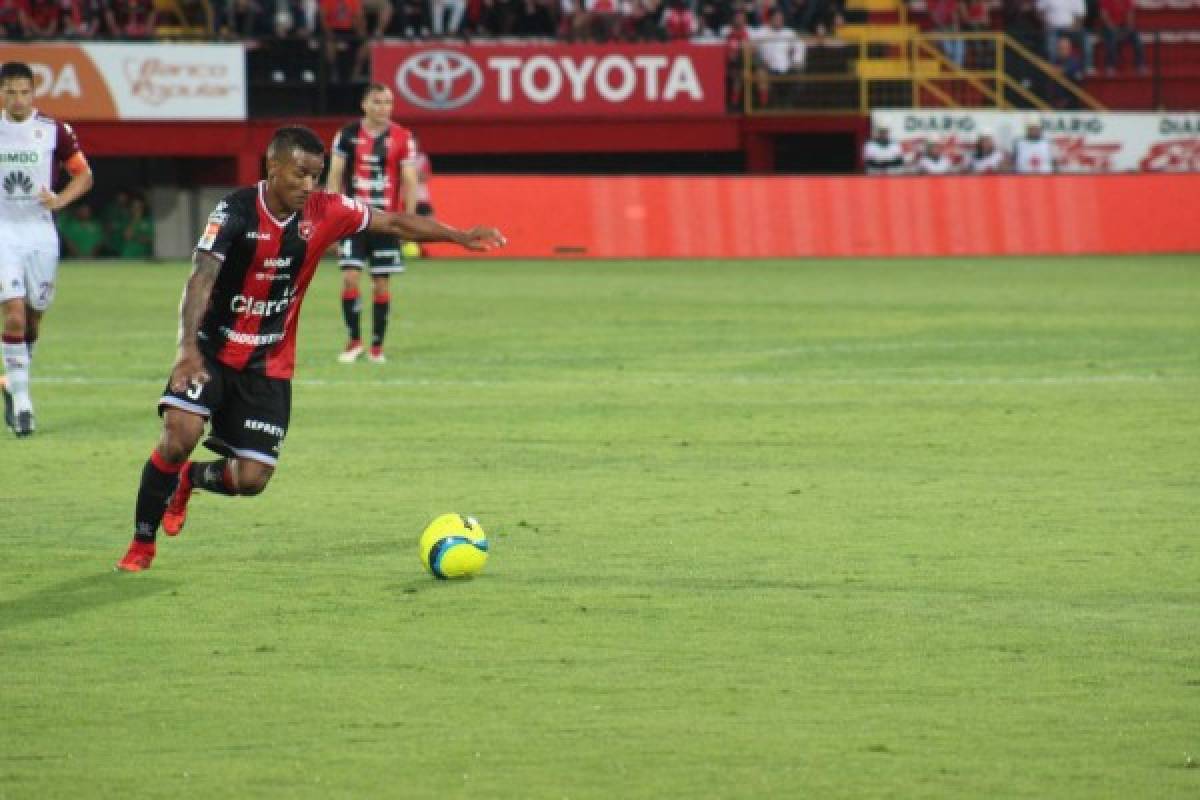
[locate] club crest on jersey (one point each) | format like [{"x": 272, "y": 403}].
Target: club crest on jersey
[{"x": 305, "y": 229}]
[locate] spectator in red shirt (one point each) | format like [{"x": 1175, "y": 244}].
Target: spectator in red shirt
[
  {"x": 736, "y": 35},
  {"x": 679, "y": 21},
  {"x": 1117, "y": 24},
  {"x": 43, "y": 19},
  {"x": 131, "y": 19},
  {"x": 345, "y": 25},
  {"x": 14, "y": 19}
]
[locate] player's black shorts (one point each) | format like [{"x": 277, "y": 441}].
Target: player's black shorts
[
  {"x": 248, "y": 412},
  {"x": 378, "y": 253}
]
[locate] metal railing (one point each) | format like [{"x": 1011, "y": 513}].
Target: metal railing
[{"x": 925, "y": 70}]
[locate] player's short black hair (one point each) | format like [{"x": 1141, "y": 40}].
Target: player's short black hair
[
  {"x": 15, "y": 69},
  {"x": 295, "y": 137},
  {"x": 374, "y": 86}
]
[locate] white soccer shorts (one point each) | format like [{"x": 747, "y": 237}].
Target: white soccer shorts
[{"x": 28, "y": 269}]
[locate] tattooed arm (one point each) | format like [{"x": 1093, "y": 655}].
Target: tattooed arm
[{"x": 189, "y": 364}]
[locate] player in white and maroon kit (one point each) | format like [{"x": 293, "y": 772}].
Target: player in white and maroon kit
[
  {"x": 32, "y": 150},
  {"x": 238, "y": 320},
  {"x": 1033, "y": 154},
  {"x": 375, "y": 161}
]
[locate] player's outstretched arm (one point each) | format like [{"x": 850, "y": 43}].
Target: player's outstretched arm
[
  {"x": 413, "y": 228},
  {"x": 189, "y": 364}
]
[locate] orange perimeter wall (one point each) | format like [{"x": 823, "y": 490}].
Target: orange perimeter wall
[{"x": 767, "y": 217}]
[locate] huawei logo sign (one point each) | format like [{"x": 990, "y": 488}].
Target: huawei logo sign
[
  {"x": 18, "y": 180},
  {"x": 439, "y": 80}
]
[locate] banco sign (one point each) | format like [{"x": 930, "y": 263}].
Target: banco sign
[{"x": 506, "y": 79}]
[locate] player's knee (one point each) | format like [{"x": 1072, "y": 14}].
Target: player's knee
[
  {"x": 253, "y": 481},
  {"x": 14, "y": 319},
  {"x": 173, "y": 451},
  {"x": 252, "y": 487},
  {"x": 181, "y": 433}
]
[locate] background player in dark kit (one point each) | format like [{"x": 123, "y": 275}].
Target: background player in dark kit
[
  {"x": 373, "y": 160},
  {"x": 238, "y": 321}
]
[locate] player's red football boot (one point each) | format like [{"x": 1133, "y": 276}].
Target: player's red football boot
[
  {"x": 139, "y": 557},
  {"x": 176, "y": 513}
]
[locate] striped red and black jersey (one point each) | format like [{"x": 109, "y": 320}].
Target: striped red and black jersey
[
  {"x": 373, "y": 164},
  {"x": 266, "y": 266}
]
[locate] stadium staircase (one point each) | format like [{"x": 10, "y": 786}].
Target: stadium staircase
[
  {"x": 1170, "y": 32},
  {"x": 891, "y": 61}
]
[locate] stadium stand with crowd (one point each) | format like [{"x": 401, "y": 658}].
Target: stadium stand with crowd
[{"x": 1142, "y": 54}]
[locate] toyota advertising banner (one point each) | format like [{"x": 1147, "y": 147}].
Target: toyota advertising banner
[
  {"x": 1083, "y": 141},
  {"x": 549, "y": 80},
  {"x": 114, "y": 81}
]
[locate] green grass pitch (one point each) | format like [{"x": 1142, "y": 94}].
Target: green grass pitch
[{"x": 827, "y": 529}]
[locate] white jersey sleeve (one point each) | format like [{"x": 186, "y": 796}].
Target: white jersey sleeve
[{"x": 31, "y": 153}]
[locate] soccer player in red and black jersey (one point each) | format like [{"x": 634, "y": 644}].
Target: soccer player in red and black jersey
[
  {"x": 238, "y": 321},
  {"x": 374, "y": 160}
]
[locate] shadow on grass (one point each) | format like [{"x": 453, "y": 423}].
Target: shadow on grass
[{"x": 74, "y": 595}]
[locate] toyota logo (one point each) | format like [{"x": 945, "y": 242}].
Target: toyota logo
[{"x": 439, "y": 79}]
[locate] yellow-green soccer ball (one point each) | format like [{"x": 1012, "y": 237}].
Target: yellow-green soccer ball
[
  {"x": 454, "y": 546},
  {"x": 411, "y": 250}
]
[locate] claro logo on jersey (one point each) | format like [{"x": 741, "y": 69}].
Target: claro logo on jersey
[
  {"x": 370, "y": 184},
  {"x": 241, "y": 304},
  {"x": 443, "y": 80}
]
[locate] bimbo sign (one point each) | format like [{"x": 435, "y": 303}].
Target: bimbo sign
[{"x": 552, "y": 80}]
